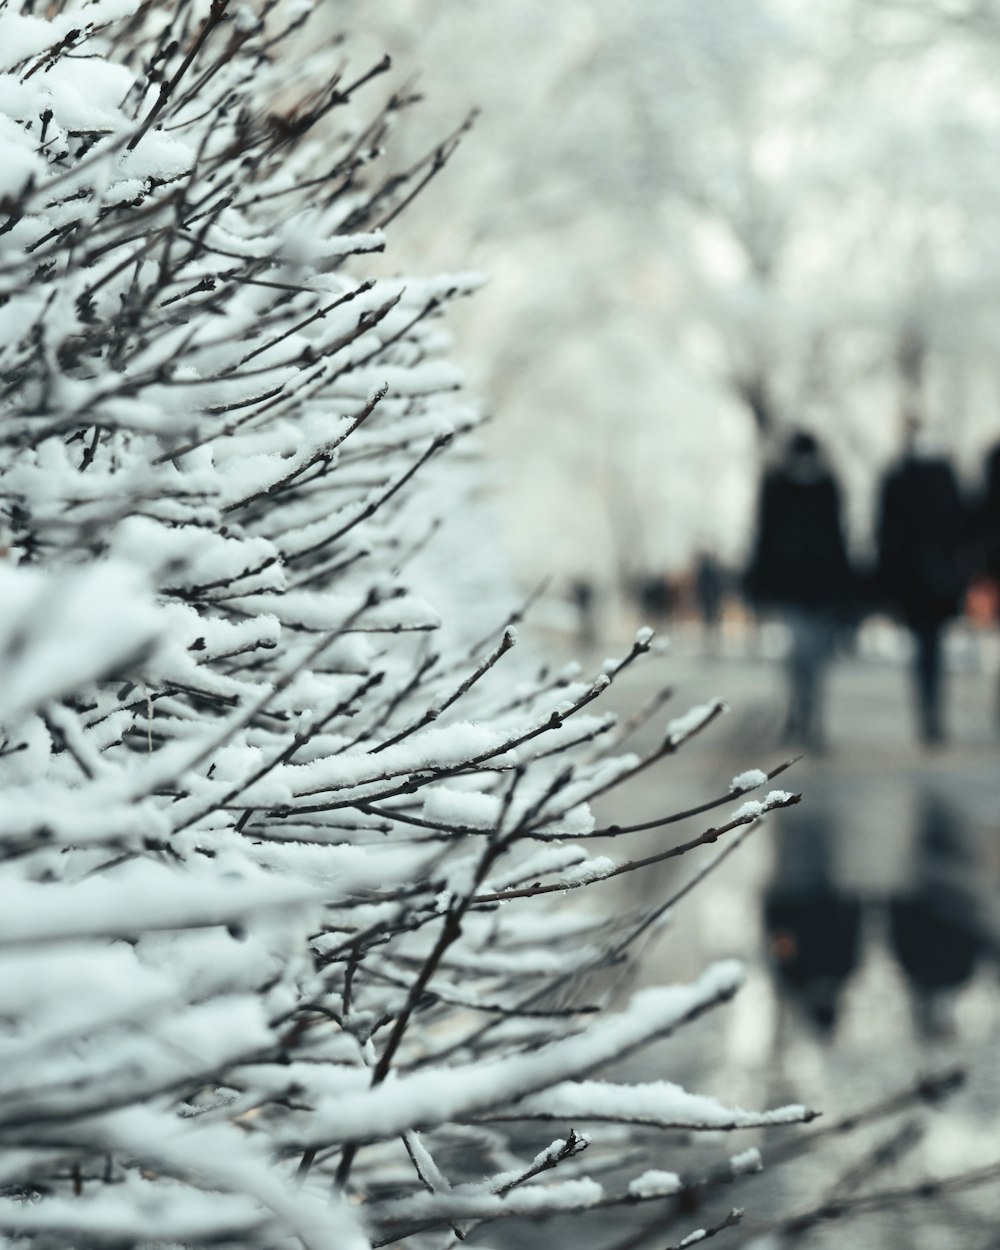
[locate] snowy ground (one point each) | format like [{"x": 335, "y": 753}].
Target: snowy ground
[{"x": 871, "y": 805}]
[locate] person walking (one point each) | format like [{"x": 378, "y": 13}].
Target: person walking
[
  {"x": 709, "y": 591},
  {"x": 799, "y": 565},
  {"x": 921, "y": 576},
  {"x": 983, "y": 600},
  {"x": 989, "y": 515}
]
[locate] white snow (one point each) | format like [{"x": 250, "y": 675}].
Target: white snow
[
  {"x": 755, "y": 808},
  {"x": 247, "y": 786},
  {"x": 427, "y": 1098},
  {"x": 746, "y": 1161},
  {"x": 654, "y": 1184},
  {"x": 660, "y": 1102},
  {"x": 682, "y": 727},
  {"x": 464, "y": 808},
  {"x": 749, "y": 780},
  {"x": 82, "y": 625},
  {"x": 145, "y": 897}
]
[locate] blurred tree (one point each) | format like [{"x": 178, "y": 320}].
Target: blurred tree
[{"x": 756, "y": 204}]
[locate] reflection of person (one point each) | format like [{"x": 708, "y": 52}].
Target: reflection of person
[
  {"x": 920, "y": 573},
  {"x": 935, "y": 924},
  {"x": 813, "y": 923},
  {"x": 799, "y": 565}
]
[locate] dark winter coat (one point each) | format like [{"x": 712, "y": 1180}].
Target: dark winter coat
[
  {"x": 921, "y": 556},
  {"x": 799, "y": 557},
  {"x": 989, "y": 519}
]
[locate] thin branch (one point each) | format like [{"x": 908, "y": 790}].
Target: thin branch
[
  {"x": 215, "y": 16},
  {"x": 703, "y": 839}
]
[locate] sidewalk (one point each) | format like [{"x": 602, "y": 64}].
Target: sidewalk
[{"x": 870, "y": 804}]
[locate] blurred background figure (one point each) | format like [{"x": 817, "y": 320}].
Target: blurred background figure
[
  {"x": 698, "y": 219},
  {"x": 989, "y": 525},
  {"x": 936, "y": 932},
  {"x": 709, "y": 590},
  {"x": 654, "y": 596},
  {"x": 799, "y": 565},
  {"x": 582, "y": 593},
  {"x": 812, "y": 923},
  {"x": 983, "y": 599},
  {"x": 922, "y": 567}
]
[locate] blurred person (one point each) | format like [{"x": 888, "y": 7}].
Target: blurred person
[
  {"x": 989, "y": 516},
  {"x": 799, "y": 565},
  {"x": 813, "y": 923},
  {"x": 921, "y": 572},
  {"x": 987, "y": 523},
  {"x": 989, "y": 527},
  {"x": 982, "y": 598},
  {"x": 655, "y": 596},
  {"x": 936, "y": 927},
  {"x": 709, "y": 590},
  {"x": 583, "y": 595}
]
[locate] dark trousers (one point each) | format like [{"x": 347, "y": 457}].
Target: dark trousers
[
  {"x": 812, "y": 637},
  {"x": 927, "y": 683}
]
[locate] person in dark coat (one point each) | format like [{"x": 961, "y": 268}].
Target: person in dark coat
[
  {"x": 991, "y": 513},
  {"x": 709, "y": 590},
  {"x": 985, "y": 601},
  {"x": 799, "y": 565},
  {"x": 921, "y": 573}
]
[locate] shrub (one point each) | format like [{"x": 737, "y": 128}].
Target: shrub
[{"x": 273, "y": 920}]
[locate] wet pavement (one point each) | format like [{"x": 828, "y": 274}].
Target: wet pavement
[{"x": 867, "y": 918}]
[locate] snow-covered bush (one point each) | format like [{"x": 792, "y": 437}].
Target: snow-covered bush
[{"x": 274, "y": 932}]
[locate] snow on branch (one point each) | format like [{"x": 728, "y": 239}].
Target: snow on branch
[{"x": 262, "y": 798}]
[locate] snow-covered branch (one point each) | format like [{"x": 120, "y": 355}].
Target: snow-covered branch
[{"x": 261, "y": 803}]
